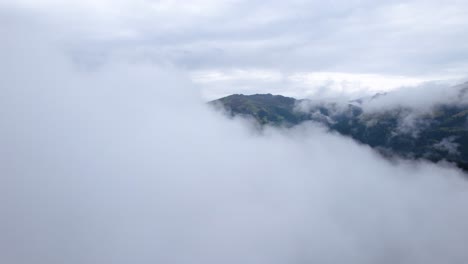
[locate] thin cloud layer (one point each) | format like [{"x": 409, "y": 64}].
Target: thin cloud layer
[{"x": 126, "y": 164}]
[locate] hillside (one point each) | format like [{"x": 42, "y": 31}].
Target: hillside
[{"x": 435, "y": 135}]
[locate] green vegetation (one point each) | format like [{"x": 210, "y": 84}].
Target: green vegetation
[{"x": 439, "y": 135}]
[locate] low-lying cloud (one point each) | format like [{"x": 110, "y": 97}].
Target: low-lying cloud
[
  {"x": 423, "y": 97},
  {"x": 126, "y": 164}
]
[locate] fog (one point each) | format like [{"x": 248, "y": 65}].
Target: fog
[
  {"x": 126, "y": 164},
  {"x": 421, "y": 98},
  {"x": 414, "y": 107}
]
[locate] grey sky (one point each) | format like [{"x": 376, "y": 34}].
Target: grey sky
[{"x": 397, "y": 42}]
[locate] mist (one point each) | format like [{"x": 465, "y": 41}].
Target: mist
[
  {"x": 422, "y": 98},
  {"x": 125, "y": 163}
]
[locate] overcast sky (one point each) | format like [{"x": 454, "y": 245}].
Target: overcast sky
[{"x": 296, "y": 48}]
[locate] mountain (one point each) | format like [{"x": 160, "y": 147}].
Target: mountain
[
  {"x": 435, "y": 135},
  {"x": 265, "y": 108}
]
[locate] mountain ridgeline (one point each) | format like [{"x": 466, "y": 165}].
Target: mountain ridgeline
[{"x": 435, "y": 135}]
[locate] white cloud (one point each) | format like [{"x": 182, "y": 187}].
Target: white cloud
[
  {"x": 415, "y": 39},
  {"x": 349, "y": 83},
  {"x": 421, "y": 97},
  {"x": 236, "y": 75},
  {"x": 299, "y": 84},
  {"x": 126, "y": 164}
]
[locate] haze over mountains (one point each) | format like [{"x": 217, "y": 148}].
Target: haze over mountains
[
  {"x": 109, "y": 153},
  {"x": 438, "y": 132}
]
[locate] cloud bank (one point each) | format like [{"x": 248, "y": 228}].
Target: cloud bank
[{"x": 126, "y": 164}]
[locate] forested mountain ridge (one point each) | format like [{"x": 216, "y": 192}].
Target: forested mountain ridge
[{"x": 438, "y": 134}]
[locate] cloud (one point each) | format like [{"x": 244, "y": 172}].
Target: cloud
[
  {"x": 215, "y": 84},
  {"x": 126, "y": 164},
  {"x": 448, "y": 145},
  {"x": 422, "y": 98},
  {"x": 395, "y": 41},
  {"x": 310, "y": 85}
]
